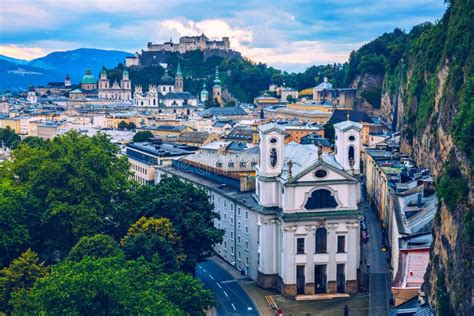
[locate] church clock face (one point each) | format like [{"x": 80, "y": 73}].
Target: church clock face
[{"x": 273, "y": 157}]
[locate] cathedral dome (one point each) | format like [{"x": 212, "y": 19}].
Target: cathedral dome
[
  {"x": 88, "y": 77},
  {"x": 166, "y": 79}
]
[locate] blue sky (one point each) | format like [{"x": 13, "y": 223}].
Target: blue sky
[{"x": 291, "y": 35}]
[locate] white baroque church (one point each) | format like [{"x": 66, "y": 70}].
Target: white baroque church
[
  {"x": 117, "y": 91},
  {"x": 168, "y": 93},
  {"x": 308, "y": 226},
  {"x": 298, "y": 232}
]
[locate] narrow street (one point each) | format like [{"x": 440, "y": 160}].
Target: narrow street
[
  {"x": 231, "y": 298},
  {"x": 375, "y": 262}
]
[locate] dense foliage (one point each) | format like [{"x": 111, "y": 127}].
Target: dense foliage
[
  {"x": 112, "y": 286},
  {"x": 9, "y": 138},
  {"x": 191, "y": 218},
  {"x": 142, "y": 136},
  {"x": 21, "y": 274},
  {"x": 72, "y": 202}
]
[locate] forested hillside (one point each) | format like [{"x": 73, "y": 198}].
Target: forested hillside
[{"x": 424, "y": 81}]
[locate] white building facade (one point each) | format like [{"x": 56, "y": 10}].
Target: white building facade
[{"x": 298, "y": 232}]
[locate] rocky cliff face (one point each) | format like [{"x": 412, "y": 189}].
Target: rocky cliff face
[
  {"x": 435, "y": 109},
  {"x": 426, "y": 79}
]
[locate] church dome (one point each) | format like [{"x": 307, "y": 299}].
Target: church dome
[
  {"x": 88, "y": 77},
  {"x": 204, "y": 90},
  {"x": 166, "y": 79}
]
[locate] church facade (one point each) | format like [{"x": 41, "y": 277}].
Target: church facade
[
  {"x": 117, "y": 91},
  {"x": 298, "y": 231},
  {"x": 169, "y": 93},
  {"x": 309, "y": 224}
]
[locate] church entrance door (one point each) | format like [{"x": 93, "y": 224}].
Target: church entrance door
[
  {"x": 300, "y": 281},
  {"x": 320, "y": 278}
]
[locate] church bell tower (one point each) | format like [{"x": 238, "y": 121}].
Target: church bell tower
[{"x": 272, "y": 155}]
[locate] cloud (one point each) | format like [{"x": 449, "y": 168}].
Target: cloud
[
  {"x": 282, "y": 33},
  {"x": 22, "y": 52}
]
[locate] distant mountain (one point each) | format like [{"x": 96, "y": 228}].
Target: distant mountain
[
  {"x": 16, "y": 74},
  {"x": 14, "y": 60}
]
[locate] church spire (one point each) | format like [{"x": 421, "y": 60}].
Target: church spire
[
  {"x": 178, "y": 70},
  {"x": 217, "y": 81}
]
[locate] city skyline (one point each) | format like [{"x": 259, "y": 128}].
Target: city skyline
[{"x": 294, "y": 37}]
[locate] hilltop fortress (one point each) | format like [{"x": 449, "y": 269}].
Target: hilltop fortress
[
  {"x": 158, "y": 53},
  {"x": 189, "y": 43}
]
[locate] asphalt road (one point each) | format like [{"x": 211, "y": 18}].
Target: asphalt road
[
  {"x": 379, "y": 279},
  {"x": 231, "y": 298}
]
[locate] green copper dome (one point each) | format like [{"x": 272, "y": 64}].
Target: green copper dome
[
  {"x": 88, "y": 77},
  {"x": 103, "y": 71},
  {"x": 125, "y": 72},
  {"x": 166, "y": 79},
  {"x": 204, "y": 90}
]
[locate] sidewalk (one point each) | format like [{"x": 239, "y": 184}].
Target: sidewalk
[{"x": 358, "y": 304}]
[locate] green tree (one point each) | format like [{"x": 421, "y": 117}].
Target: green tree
[
  {"x": 230, "y": 103},
  {"x": 33, "y": 141},
  {"x": 142, "y": 136},
  {"x": 192, "y": 218},
  {"x": 131, "y": 126},
  {"x": 9, "y": 138},
  {"x": 95, "y": 246},
  {"x": 329, "y": 132},
  {"x": 150, "y": 236},
  {"x": 112, "y": 286},
  {"x": 76, "y": 186},
  {"x": 14, "y": 215},
  {"x": 20, "y": 274},
  {"x": 122, "y": 125}
]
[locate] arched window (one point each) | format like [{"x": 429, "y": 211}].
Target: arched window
[
  {"x": 351, "y": 153},
  {"x": 321, "y": 240},
  {"x": 321, "y": 199},
  {"x": 273, "y": 157}
]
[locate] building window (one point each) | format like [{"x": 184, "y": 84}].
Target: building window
[
  {"x": 230, "y": 164},
  {"x": 238, "y": 225},
  {"x": 246, "y": 215},
  {"x": 273, "y": 157},
  {"x": 321, "y": 240},
  {"x": 225, "y": 245},
  {"x": 238, "y": 240},
  {"x": 351, "y": 154},
  {"x": 246, "y": 229},
  {"x": 232, "y": 220},
  {"x": 247, "y": 261},
  {"x": 321, "y": 173},
  {"x": 321, "y": 199},
  {"x": 219, "y": 164},
  {"x": 300, "y": 245},
  {"x": 225, "y": 216},
  {"x": 225, "y": 203},
  {"x": 232, "y": 250},
  {"x": 238, "y": 211},
  {"x": 341, "y": 243},
  {"x": 238, "y": 255},
  {"x": 243, "y": 164},
  {"x": 247, "y": 245},
  {"x": 232, "y": 235},
  {"x": 232, "y": 207}
]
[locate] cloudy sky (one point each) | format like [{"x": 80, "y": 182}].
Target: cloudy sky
[{"x": 291, "y": 35}]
